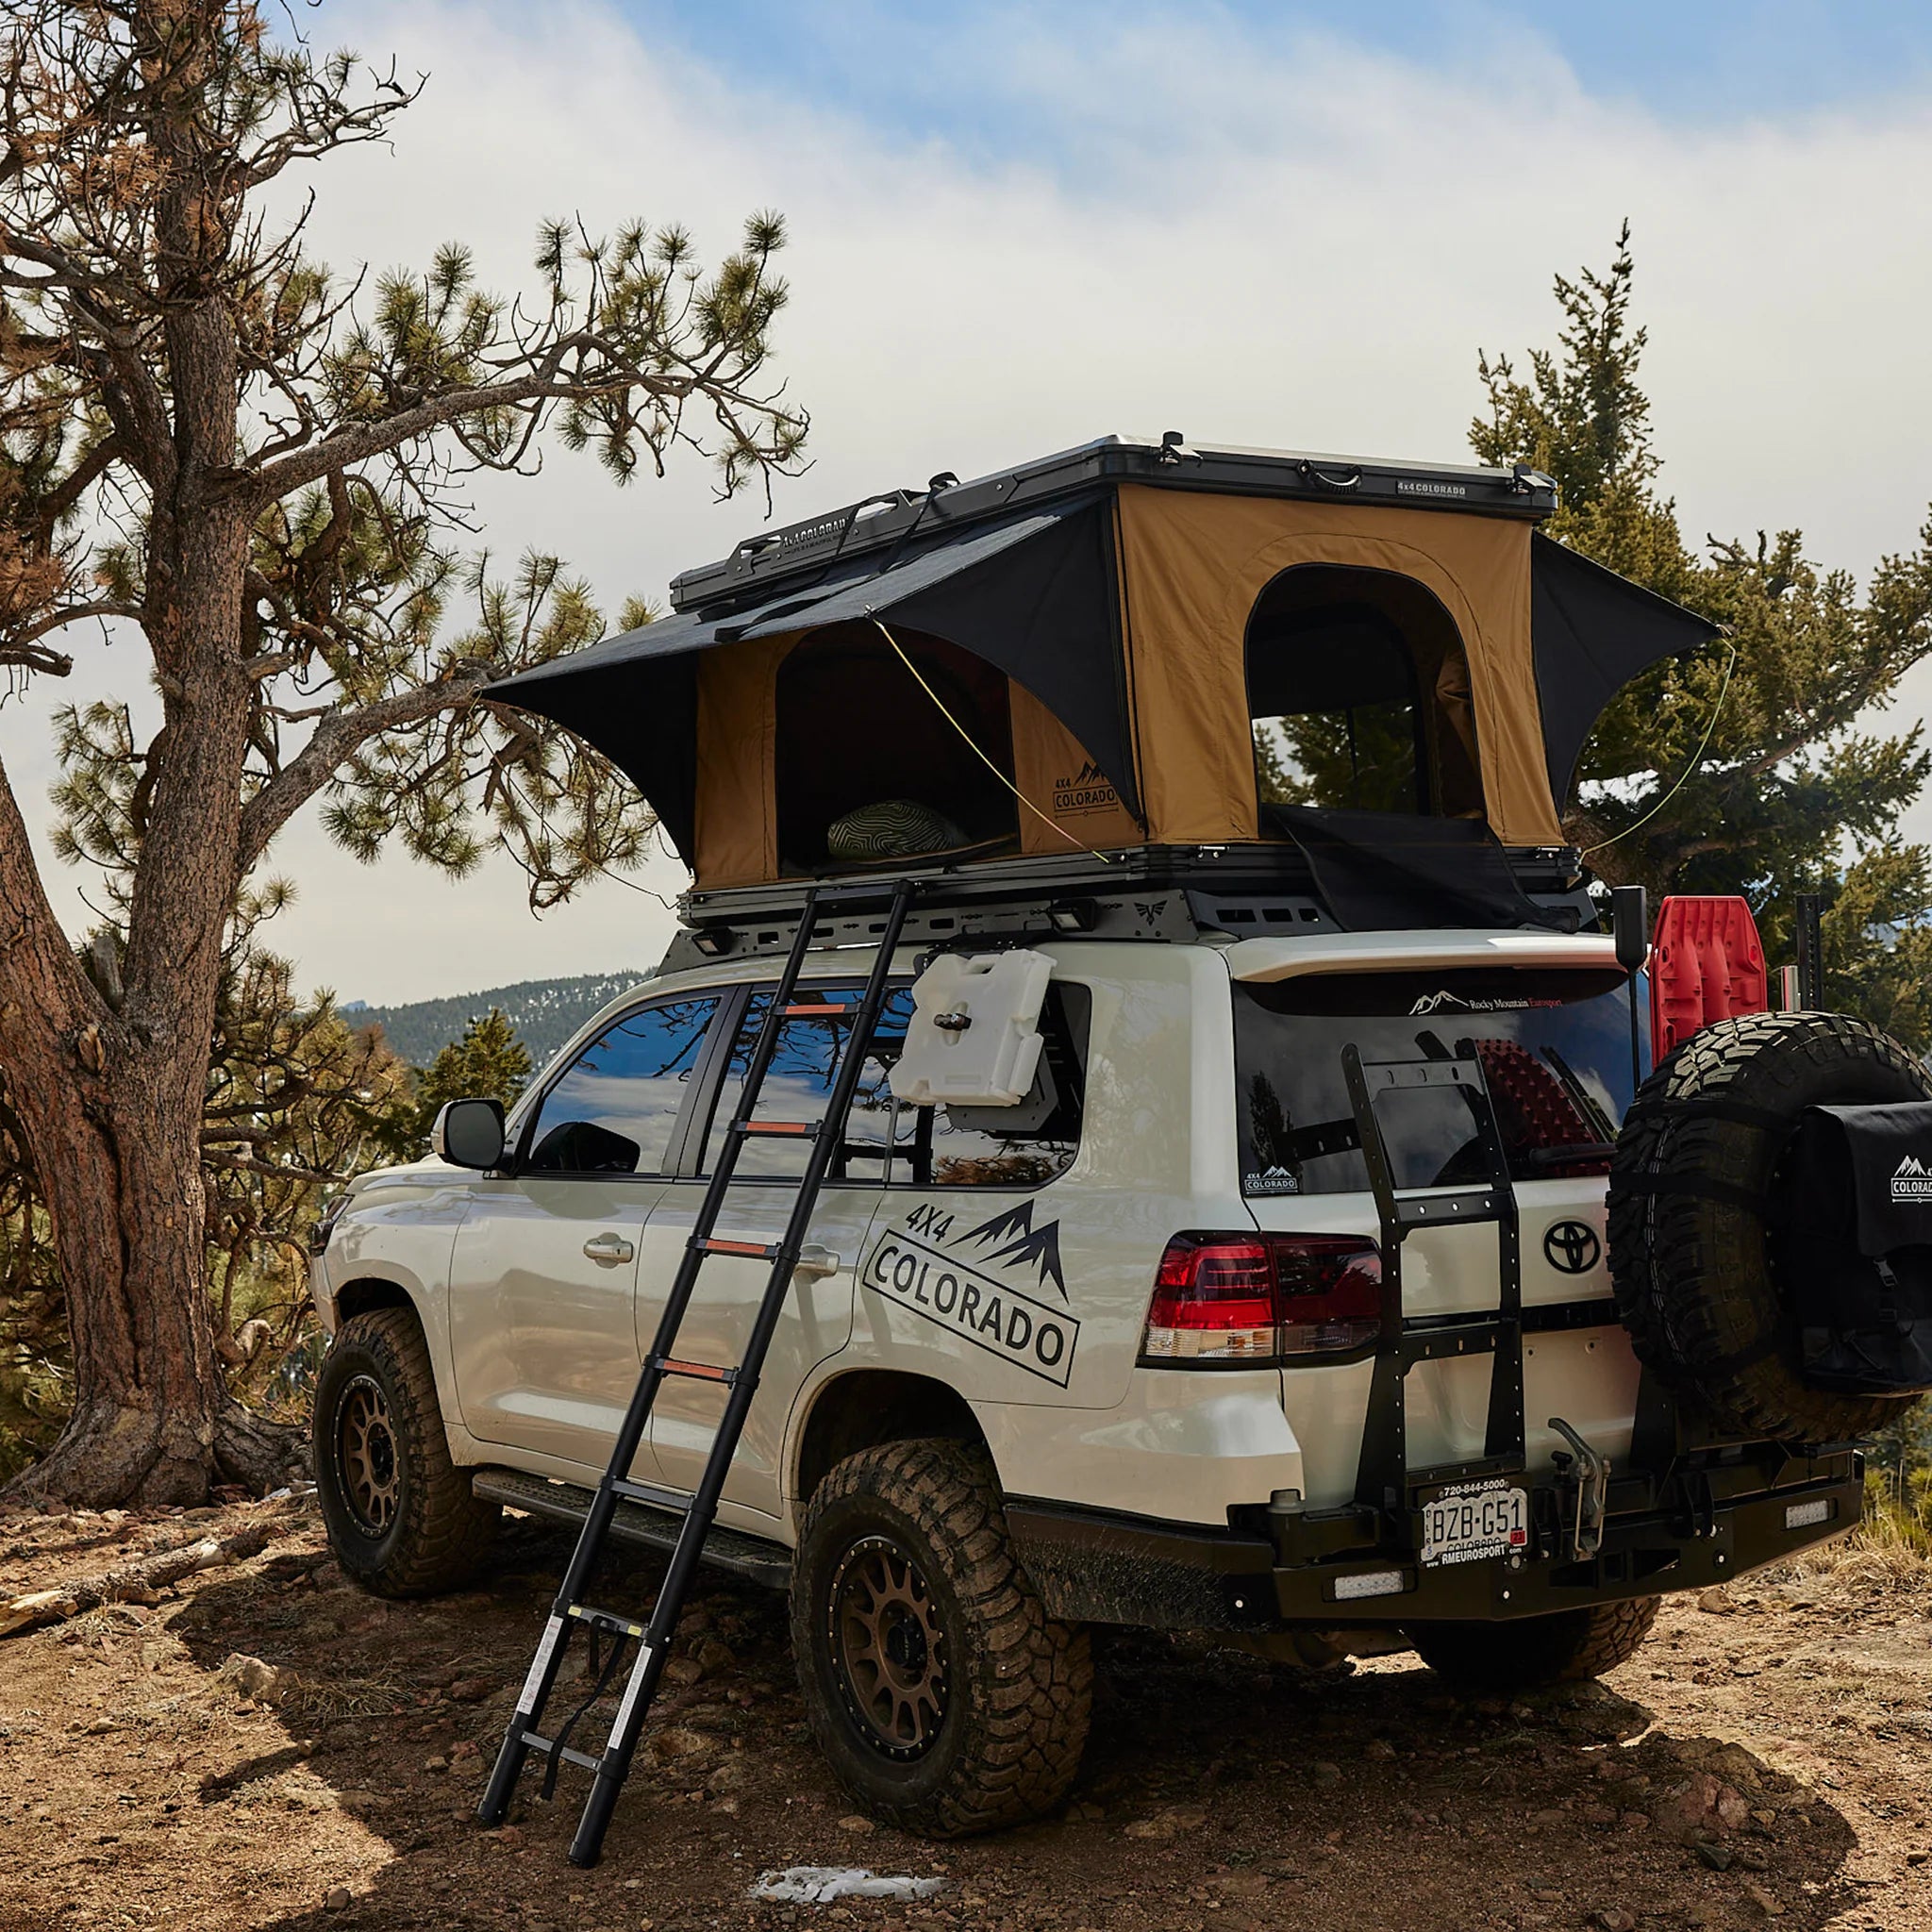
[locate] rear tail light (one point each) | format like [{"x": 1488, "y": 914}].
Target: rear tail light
[
  {"x": 1331, "y": 1287},
  {"x": 1256, "y": 1299}
]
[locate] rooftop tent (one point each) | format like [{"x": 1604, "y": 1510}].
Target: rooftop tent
[{"x": 1099, "y": 633}]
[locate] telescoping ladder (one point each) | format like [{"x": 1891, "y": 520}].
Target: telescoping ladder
[{"x": 741, "y": 1381}]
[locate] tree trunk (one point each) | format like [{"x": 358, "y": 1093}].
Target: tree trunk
[
  {"x": 113, "y": 1124},
  {"x": 112, "y": 1096},
  {"x": 153, "y": 1421}
]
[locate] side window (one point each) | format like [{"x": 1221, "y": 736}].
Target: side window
[
  {"x": 616, "y": 1107},
  {"x": 1023, "y": 1147},
  {"x": 885, "y": 1139},
  {"x": 798, "y": 1083}
]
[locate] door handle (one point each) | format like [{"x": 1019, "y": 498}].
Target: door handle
[
  {"x": 814, "y": 1261},
  {"x": 607, "y": 1250}
]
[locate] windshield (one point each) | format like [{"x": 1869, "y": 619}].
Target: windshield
[{"x": 1554, "y": 1046}]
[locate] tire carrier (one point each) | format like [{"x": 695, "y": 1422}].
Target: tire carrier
[{"x": 653, "y": 1637}]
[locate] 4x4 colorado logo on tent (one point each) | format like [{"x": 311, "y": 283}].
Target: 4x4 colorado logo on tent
[
  {"x": 922, "y": 1267},
  {"x": 1089, "y": 790},
  {"x": 1911, "y": 1180}
]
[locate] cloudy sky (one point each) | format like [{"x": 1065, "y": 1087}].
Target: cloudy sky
[{"x": 1015, "y": 228}]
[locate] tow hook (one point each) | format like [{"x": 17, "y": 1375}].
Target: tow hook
[{"x": 1592, "y": 1479}]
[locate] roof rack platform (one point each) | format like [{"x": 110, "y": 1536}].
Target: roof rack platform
[{"x": 1157, "y": 893}]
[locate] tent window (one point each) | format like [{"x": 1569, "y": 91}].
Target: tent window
[
  {"x": 1358, "y": 695},
  {"x": 868, "y": 766}
]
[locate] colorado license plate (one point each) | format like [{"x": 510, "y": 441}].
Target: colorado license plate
[{"x": 1471, "y": 1520}]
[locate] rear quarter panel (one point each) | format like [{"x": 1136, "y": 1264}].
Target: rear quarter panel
[{"x": 1156, "y": 1155}]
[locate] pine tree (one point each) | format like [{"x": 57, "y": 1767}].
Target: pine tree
[
  {"x": 257, "y": 474},
  {"x": 489, "y": 1062},
  {"x": 1789, "y": 794}
]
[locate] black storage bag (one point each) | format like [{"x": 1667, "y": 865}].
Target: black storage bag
[{"x": 1856, "y": 1239}]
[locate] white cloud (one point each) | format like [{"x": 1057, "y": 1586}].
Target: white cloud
[{"x": 1268, "y": 240}]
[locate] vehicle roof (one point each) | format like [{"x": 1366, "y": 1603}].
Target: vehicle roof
[{"x": 1356, "y": 952}]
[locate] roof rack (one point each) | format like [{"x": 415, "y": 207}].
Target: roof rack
[
  {"x": 1154, "y": 893},
  {"x": 897, "y": 516}
]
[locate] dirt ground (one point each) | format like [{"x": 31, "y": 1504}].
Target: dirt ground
[{"x": 1768, "y": 1755}]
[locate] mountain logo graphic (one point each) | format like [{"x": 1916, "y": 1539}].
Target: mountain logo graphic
[
  {"x": 1023, "y": 1243},
  {"x": 1088, "y": 791},
  {"x": 1911, "y": 1180}
]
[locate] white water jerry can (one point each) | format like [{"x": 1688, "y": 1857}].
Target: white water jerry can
[{"x": 973, "y": 1037}]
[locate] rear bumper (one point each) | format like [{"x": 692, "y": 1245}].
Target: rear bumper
[{"x": 1286, "y": 1568}]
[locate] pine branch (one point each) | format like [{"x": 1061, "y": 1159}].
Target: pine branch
[{"x": 334, "y": 740}]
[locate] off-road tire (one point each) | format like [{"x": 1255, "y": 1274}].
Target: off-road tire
[
  {"x": 435, "y": 1532},
  {"x": 1531, "y": 1652},
  {"x": 1018, "y": 1686},
  {"x": 1696, "y": 1272}
]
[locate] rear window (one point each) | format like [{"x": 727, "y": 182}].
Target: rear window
[{"x": 1555, "y": 1047}]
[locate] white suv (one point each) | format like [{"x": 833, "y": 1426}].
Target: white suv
[{"x": 1164, "y": 1346}]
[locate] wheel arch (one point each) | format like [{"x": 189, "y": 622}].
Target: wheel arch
[
  {"x": 863, "y": 1408},
  {"x": 367, "y": 1291}
]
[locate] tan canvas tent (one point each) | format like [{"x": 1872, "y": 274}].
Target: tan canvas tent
[{"x": 1077, "y": 655}]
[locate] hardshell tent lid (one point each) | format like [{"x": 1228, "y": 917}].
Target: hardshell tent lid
[{"x": 1104, "y": 628}]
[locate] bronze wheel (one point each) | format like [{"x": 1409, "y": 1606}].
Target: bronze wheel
[
  {"x": 402, "y": 1518},
  {"x": 944, "y": 1696},
  {"x": 366, "y": 1455},
  {"x": 889, "y": 1648}
]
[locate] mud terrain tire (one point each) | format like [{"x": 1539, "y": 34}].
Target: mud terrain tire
[
  {"x": 401, "y": 1519},
  {"x": 1696, "y": 1272},
  {"x": 1534, "y": 1652},
  {"x": 944, "y": 1696}
]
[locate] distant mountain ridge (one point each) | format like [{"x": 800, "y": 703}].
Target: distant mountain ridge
[{"x": 545, "y": 1012}]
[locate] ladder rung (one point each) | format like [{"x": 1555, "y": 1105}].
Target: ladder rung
[
  {"x": 756, "y": 1250},
  {"x": 1429, "y": 1343},
  {"x": 698, "y": 1371},
  {"x": 1476, "y": 1321},
  {"x": 796, "y": 1130},
  {"x": 605, "y": 1620},
  {"x": 549, "y": 1747},
  {"x": 807, "y": 1010},
  {"x": 1462, "y": 1472},
  {"x": 1450, "y": 1205}
]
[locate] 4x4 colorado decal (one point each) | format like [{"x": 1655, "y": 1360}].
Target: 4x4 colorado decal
[
  {"x": 919, "y": 1267},
  {"x": 1040, "y": 1246}
]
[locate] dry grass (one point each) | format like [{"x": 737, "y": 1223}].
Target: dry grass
[
  {"x": 1890, "y": 1550},
  {"x": 340, "y": 1696}
]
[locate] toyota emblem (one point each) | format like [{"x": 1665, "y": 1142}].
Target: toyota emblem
[{"x": 1572, "y": 1247}]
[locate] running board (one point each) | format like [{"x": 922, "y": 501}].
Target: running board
[{"x": 656, "y": 1526}]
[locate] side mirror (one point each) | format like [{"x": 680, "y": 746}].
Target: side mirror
[{"x": 469, "y": 1133}]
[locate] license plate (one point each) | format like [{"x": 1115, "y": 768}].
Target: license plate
[{"x": 1471, "y": 1520}]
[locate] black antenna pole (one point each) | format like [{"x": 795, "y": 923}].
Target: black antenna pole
[
  {"x": 1630, "y": 925},
  {"x": 1810, "y": 953}
]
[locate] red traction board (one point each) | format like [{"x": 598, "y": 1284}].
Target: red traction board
[{"x": 1706, "y": 963}]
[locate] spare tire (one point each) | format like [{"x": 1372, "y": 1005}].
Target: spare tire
[{"x": 1693, "y": 1212}]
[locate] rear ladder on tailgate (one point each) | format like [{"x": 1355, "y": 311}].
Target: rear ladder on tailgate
[{"x": 1383, "y": 1481}]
